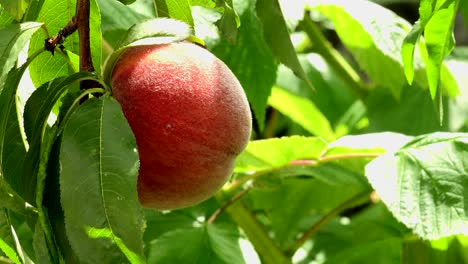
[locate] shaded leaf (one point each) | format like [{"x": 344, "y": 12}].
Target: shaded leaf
[
  {"x": 463, "y": 6},
  {"x": 9, "y": 199},
  {"x": 388, "y": 114},
  {"x": 5, "y": 18},
  {"x": 14, "y": 147},
  {"x": 8, "y": 119},
  {"x": 212, "y": 243},
  {"x": 103, "y": 218},
  {"x": 277, "y": 37},
  {"x": 425, "y": 184},
  {"x": 249, "y": 58},
  {"x": 16, "y": 8},
  {"x": 292, "y": 200},
  {"x": 229, "y": 22},
  {"x": 40, "y": 246},
  {"x": 116, "y": 16},
  {"x": 39, "y": 137},
  {"x": 7, "y": 241},
  {"x": 371, "y": 236}
]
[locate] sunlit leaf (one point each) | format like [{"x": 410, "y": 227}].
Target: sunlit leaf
[
  {"x": 425, "y": 184},
  {"x": 55, "y": 15},
  {"x": 14, "y": 38},
  {"x": 177, "y": 9},
  {"x": 301, "y": 111},
  {"x": 277, "y": 152},
  {"x": 439, "y": 42},
  {"x": 373, "y": 37}
]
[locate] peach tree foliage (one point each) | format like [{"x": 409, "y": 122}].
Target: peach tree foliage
[{"x": 358, "y": 151}]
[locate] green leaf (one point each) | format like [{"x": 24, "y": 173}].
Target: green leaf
[
  {"x": 7, "y": 240},
  {"x": 425, "y": 183},
  {"x": 9, "y": 199},
  {"x": 33, "y": 10},
  {"x": 14, "y": 147},
  {"x": 426, "y": 10},
  {"x": 249, "y": 58},
  {"x": 367, "y": 237},
  {"x": 55, "y": 15},
  {"x": 328, "y": 186},
  {"x": 5, "y": 18},
  {"x": 223, "y": 240},
  {"x": 463, "y": 5},
  {"x": 15, "y": 7},
  {"x": 332, "y": 97},
  {"x": 370, "y": 143},
  {"x": 177, "y": 9},
  {"x": 8, "y": 123},
  {"x": 301, "y": 111},
  {"x": 51, "y": 202},
  {"x": 212, "y": 243},
  {"x": 277, "y": 37},
  {"x": 40, "y": 246},
  {"x": 388, "y": 114},
  {"x": 439, "y": 42},
  {"x": 14, "y": 38},
  {"x": 99, "y": 168},
  {"x": 407, "y": 51},
  {"x": 229, "y": 22},
  {"x": 116, "y": 16},
  {"x": 127, "y": 2},
  {"x": 154, "y": 31},
  {"x": 274, "y": 153},
  {"x": 39, "y": 137},
  {"x": 373, "y": 37}
]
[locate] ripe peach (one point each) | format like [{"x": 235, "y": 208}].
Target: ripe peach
[{"x": 190, "y": 118}]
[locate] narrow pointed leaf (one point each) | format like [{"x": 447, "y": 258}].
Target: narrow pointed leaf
[
  {"x": 249, "y": 58},
  {"x": 39, "y": 137},
  {"x": 177, "y": 9},
  {"x": 7, "y": 243},
  {"x": 408, "y": 49},
  {"x": 277, "y": 37},
  {"x": 439, "y": 43},
  {"x": 14, "y": 38},
  {"x": 7, "y": 111},
  {"x": 99, "y": 162}
]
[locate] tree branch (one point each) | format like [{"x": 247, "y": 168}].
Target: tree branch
[{"x": 79, "y": 22}]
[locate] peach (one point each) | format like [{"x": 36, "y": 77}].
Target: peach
[{"x": 190, "y": 118}]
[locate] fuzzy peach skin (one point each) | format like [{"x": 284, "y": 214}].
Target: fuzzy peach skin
[{"x": 190, "y": 117}]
